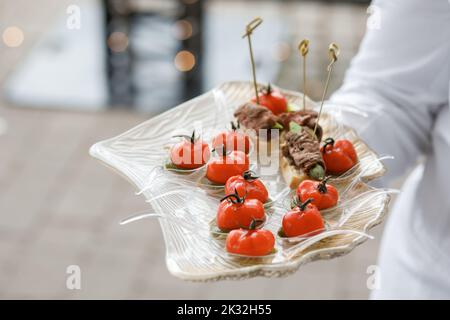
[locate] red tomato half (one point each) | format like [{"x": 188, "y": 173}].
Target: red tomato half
[
  {"x": 324, "y": 195},
  {"x": 272, "y": 100},
  {"x": 235, "y": 212},
  {"x": 190, "y": 153},
  {"x": 258, "y": 242},
  {"x": 232, "y": 140},
  {"x": 304, "y": 220},
  {"x": 339, "y": 156},
  {"x": 221, "y": 168},
  {"x": 247, "y": 185}
]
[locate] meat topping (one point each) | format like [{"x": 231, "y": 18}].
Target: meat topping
[
  {"x": 302, "y": 150},
  {"x": 253, "y": 116}
]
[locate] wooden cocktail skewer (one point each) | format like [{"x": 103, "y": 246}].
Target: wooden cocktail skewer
[
  {"x": 303, "y": 47},
  {"x": 248, "y": 31},
  {"x": 333, "y": 51}
]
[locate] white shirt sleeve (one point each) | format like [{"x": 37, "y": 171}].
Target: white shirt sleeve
[{"x": 400, "y": 77}]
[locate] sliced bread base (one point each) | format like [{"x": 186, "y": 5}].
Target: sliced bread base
[{"x": 291, "y": 175}]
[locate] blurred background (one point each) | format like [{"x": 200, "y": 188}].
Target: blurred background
[{"x": 76, "y": 72}]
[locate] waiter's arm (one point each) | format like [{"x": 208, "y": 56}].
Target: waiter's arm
[{"x": 400, "y": 78}]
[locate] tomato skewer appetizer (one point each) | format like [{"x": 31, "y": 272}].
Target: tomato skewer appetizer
[
  {"x": 339, "y": 156},
  {"x": 236, "y": 212},
  {"x": 303, "y": 220},
  {"x": 272, "y": 100},
  {"x": 248, "y": 185},
  {"x": 190, "y": 153},
  {"x": 226, "y": 165},
  {"x": 233, "y": 140},
  {"x": 253, "y": 242},
  {"x": 324, "y": 195}
]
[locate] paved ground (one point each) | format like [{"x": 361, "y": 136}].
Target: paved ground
[{"x": 59, "y": 207}]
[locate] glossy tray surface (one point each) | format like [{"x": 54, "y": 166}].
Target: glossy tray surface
[{"x": 186, "y": 207}]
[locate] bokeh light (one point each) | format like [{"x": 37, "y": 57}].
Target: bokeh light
[
  {"x": 118, "y": 41},
  {"x": 13, "y": 37},
  {"x": 184, "y": 61},
  {"x": 182, "y": 29}
]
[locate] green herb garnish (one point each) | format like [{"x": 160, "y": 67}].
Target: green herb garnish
[
  {"x": 278, "y": 125},
  {"x": 295, "y": 127}
]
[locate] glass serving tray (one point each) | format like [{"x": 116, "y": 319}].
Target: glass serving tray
[{"x": 186, "y": 207}]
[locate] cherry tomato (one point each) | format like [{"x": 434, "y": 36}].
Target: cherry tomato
[
  {"x": 256, "y": 242},
  {"x": 226, "y": 165},
  {"x": 272, "y": 100},
  {"x": 339, "y": 156},
  {"x": 233, "y": 140},
  {"x": 303, "y": 220},
  {"x": 247, "y": 185},
  {"x": 235, "y": 212},
  {"x": 190, "y": 153},
  {"x": 324, "y": 195}
]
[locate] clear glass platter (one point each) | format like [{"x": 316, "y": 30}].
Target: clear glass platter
[{"x": 186, "y": 207}]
